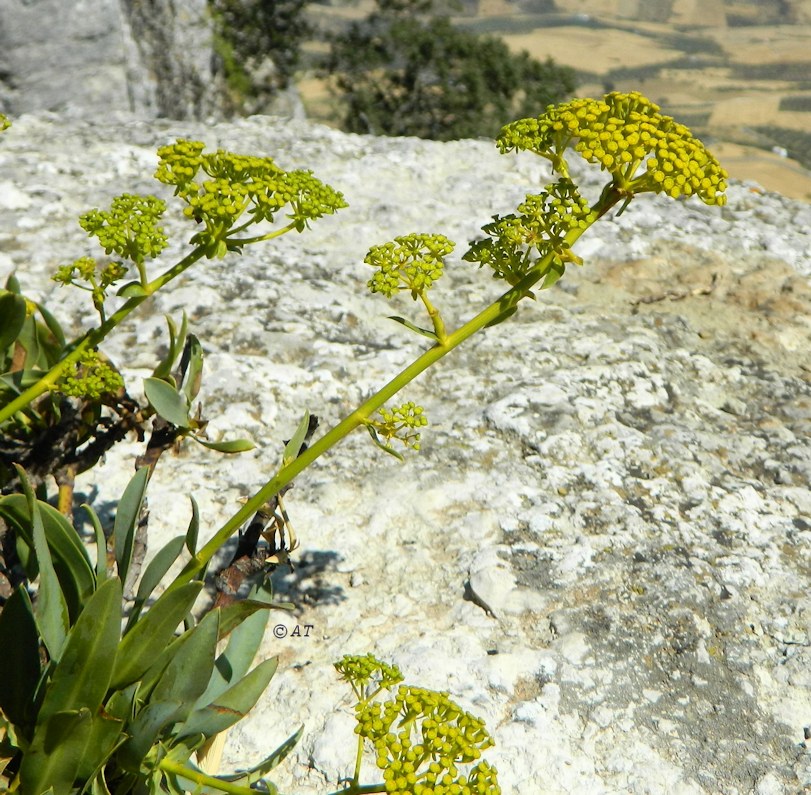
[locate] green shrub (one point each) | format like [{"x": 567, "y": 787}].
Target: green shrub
[
  {"x": 404, "y": 72},
  {"x": 250, "y": 33}
]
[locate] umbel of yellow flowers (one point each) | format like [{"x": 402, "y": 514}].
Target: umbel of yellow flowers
[{"x": 626, "y": 135}]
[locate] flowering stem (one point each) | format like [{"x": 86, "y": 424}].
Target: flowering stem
[
  {"x": 93, "y": 337},
  {"x": 359, "y": 789},
  {"x": 360, "y": 416},
  {"x": 203, "y": 780}
]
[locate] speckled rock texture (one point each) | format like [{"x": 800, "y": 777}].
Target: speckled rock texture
[
  {"x": 604, "y": 545},
  {"x": 93, "y": 58}
]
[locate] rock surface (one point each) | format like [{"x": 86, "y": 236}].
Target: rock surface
[
  {"x": 620, "y": 474},
  {"x": 91, "y": 58}
]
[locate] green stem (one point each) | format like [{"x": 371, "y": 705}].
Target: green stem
[
  {"x": 436, "y": 319},
  {"x": 242, "y": 241},
  {"x": 202, "y": 779},
  {"x": 358, "y": 761},
  {"x": 93, "y": 337},
  {"x": 360, "y": 416},
  {"x": 359, "y": 789}
]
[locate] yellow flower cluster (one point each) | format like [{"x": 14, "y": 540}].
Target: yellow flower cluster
[
  {"x": 540, "y": 227},
  {"x": 233, "y": 185},
  {"x": 90, "y": 378},
  {"x": 621, "y": 133},
  {"x": 129, "y": 228},
  {"x": 361, "y": 670},
  {"x": 432, "y": 736},
  {"x": 413, "y": 262}
]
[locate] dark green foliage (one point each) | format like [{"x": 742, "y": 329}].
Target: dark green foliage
[
  {"x": 401, "y": 72},
  {"x": 796, "y": 102},
  {"x": 796, "y": 142},
  {"x": 247, "y": 34}
]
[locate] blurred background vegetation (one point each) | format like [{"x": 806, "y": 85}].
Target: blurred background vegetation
[{"x": 735, "y": 71}]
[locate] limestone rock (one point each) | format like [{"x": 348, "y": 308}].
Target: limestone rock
[
  {"x": 90, "y": 58},
  {"x": 621, "y": 472}
]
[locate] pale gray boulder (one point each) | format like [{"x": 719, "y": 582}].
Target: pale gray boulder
[{"x": 602, "y": 548}]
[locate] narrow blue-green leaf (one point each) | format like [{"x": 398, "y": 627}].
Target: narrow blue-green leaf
[
  {"x": 69, "y": 555},
  {"x": 104, "y": 734},
  {"x": 154, "y": 573},
  {"x": 382, "y": 445},
  {"x": 417, "y": 329},
  {"x": 232, "y": 446},
  {"x": 19, "y": 660},
  {"x": 12, "y": 317},
  {"x": 269, "y": 763},
  {"x": 82, "y": 675},
  {"x": 293, "y": 447},
  {"x": 172, "y": 405},
  {"x": 188, "y": 672},
  {"x": 51, "y": 611},
  {"x": 194, "y": 527},
  {"x": 143, "y": 644},
  {"x": 175, "y": 345},
  {"x": 194, "y": 371},
  {"x": 52, "y": 324},
  {"x": 126, "y": 520},
  {"x": 231, "y": 706},
  {"x": 52, "y": 760},
  {"x": 101, "y": 544},
  {"x": 243, "y": 643},
  {"x": 144, "y": 732}
]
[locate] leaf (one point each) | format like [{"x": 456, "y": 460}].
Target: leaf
[
  {"x": 194, "y": 527},
  {"x": 19, "y": 662},
  {"x": 188, "y": 672},
  {"x": 270, "y": 762},
  {"x": 51, "y": 610},
  {"x": 144, "y": 731},
  {"x": 52, "y": 760},
  {"x": 12, "y": 317},
  {"x": 231, "y": 706},
  {"x": 232, "y": 446},
  {"x": 121, "y": 704},
  {"x": 177, "y": 341},
  {"x": 556, "y": 270},
  {"x": 104, "y": 734},
  {"x": 143, "y": 644},
  {"x": 52, "y": 324},
  {"x": 101, "y": 544},
  {"x": 154, "y": 573},
  {"x": 126, "y": 521},
  {"x": 69, "y": 555},
  {"x": 170, "y": 404},
  {"x": 82, "y": 675},
  {"x": 132, "y": 290},
  {"x": 193, "y": 357},
  {"x": 234, "y": 615},
  {"x": 382, "y": 445},
  {"x": 409, "y": 325},
  {"x": 243, "y": 643},
  {"x": 293, "y": 447}
]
